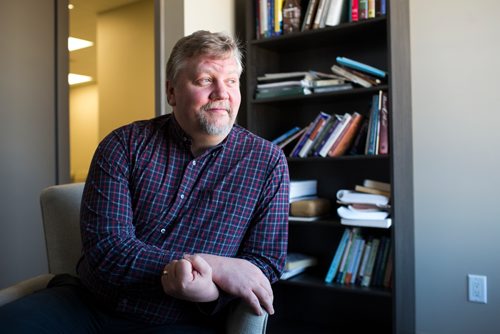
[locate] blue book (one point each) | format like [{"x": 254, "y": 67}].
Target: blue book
[
  {"x": 361, "y": 67},
  {"x": 287, "y": 134},
  {"x": 332, "y": 271}
]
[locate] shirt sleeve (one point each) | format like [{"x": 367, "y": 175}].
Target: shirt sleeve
[
  {"x": 113, "y": 252},
  {"x": 265, "y": 244}
]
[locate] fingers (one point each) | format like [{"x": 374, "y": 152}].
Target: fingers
[
  {"x": 199, "y": 264},
  {"x": 265, "y": 298}
]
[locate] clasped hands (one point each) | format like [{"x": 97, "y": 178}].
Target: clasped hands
[{"x": 198, "y": 277}]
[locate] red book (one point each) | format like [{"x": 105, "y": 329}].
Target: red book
[
  {"x": 354, "y": 10},
  {"x": 347, "y": 136}
]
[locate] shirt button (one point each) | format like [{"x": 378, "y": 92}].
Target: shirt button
[
  {"x": 194, "y": 163},
  {"x": 162, "y": 231},
  {"x": 182, "y": 196}
]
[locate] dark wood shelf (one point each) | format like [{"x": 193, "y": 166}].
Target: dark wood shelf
[
  {"x": 310, "y": 281},
  {"x": 305, "y": 303}
]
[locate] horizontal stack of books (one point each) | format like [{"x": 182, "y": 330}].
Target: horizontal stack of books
[
  {"x": 305, "y": 205},
  {"x": 367, "y": 205},
  {"x": 297, "y": 263}
]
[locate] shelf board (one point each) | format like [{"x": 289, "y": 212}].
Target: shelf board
[
  {"x": 309, "y": 281},
  {"x": 313, "y": 38},
  {"x": 343, "y": 157}
]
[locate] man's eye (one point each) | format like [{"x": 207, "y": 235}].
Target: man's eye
[{"x": 205, "y": 81}]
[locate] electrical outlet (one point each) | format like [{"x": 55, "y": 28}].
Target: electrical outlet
[{"x": 477, "y": 288}]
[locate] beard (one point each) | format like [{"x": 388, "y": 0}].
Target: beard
[{"x": 213, "y": 125}]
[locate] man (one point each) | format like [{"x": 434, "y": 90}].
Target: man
[{"x": 184, "y": 212}]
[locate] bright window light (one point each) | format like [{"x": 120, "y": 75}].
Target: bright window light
[
  {"x": 77, "y": 43},
  {"x": 74, "y": 79}
]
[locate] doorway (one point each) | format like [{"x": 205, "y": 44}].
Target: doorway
[{"x": 117, "y": 63}]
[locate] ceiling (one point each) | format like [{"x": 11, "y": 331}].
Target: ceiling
[{"x": 83, "y": 24}]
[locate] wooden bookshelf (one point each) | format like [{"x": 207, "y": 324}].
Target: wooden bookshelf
[{"x": 305, "y": 303}]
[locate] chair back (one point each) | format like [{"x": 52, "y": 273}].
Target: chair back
[{"x": 60, "y": 206}]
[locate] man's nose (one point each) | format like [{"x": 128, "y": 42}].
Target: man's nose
[{"x": 220, "y": 91}]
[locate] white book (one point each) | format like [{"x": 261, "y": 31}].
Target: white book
[
  {"x": 303, "y": 188},
  {"x": 335, "y": 10},
  {"x": 349, "y": 213},
  {"x": 378, "y": 223},
  {"x": 335, "y": 135},
  {"x": 354, "y": 197}
]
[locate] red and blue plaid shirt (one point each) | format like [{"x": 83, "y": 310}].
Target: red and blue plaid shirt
[{"x": 148, "y": 200}]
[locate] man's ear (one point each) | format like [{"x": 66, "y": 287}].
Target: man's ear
[{"x": 170, "y": 94}]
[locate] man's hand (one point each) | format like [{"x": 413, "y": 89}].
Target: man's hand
[
  {"x": 243, "y": 279},
  {"x": 190, "y": 279}
]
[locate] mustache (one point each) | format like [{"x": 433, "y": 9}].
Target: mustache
[{"x": 218, "y": 105}]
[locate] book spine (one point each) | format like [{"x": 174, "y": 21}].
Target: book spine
[
  {"x": 354, "y": 11},
  {"x": 371, "y": 261},
  {"x": 334, "y": 266},
  {"x": 347, "y": 136},
  {"x": 335, "y": 122},
  {"x": 342, "y": 268},
  {"x": 366, "y": 255},
  {"x": 335, "y": 134},
  {"x": 384, "y": 127},
  {"x": 372, "y": 129},
  {"x": 363, "y": 9},
  {"x": 318, "y": 126},
  {"x": 309, "y": 16},
  {"x": 358, "y": 259},
  {"x": 287, "y": 134},
  {"x": 371, "y": 9},
  {"x": 319, "y": 14}
]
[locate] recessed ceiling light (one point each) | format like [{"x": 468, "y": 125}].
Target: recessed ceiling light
[
  {"x": 74, "y": 79},
  {"x": 78, "y": 43}
]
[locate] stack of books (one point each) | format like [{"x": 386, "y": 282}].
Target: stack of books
[
  {"x": 362, "y": 260},
  {"x": 297, "y": 263},
  {"x": 305, "y": 205},
  {"x": 367, "y": 205},
  {"x": 358, "y": 73},
  {"x": 284, "y": 84}
]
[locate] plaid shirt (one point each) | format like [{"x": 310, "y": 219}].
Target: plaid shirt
[{"x": 148, "y": 200}]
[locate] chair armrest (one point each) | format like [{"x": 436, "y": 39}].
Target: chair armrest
[
  {"x": 242, "y": 320},
  {"x": 24, "y": 288}
]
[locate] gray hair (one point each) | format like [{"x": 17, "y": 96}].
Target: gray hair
[{"x": 203, "y": 42}]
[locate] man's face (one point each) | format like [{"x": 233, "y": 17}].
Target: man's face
[{"x": 206, "y": 95}]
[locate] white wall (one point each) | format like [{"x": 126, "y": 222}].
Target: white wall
[{"x": 455, "y": 47}]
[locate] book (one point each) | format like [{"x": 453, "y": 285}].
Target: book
[
  {"x": 347, "y": 136},
  {"x": 334, "y": 265},
  {"x": 282, "y": 91},
  {"x": 330, "y": 126},
  {"x": 332, "y": 88},
  {"x": 281, "y": 76},
  {"x": 336, "y": 12},
  {"x": 302, "y": 140},
  {"x": 316, "y": 207},
  {"x": 299, "y": 260},
  {"x": 351, "y": 213},
  {"x": 291, "y": 273},
  {"x": 319, "y": 123},
  {"x": 350, "y": 76},
  {"x": 319, "y": 16},
  {"x": 375, "y": 223},
  {"x": 335, "y": 135},
  {"x": 290, "y": 139},
  {"x": 309, "y": 15},
  {"x": 304, "y": 219},
  {"x": 383, "y": 145},
  {"x": 357, "y": 65},
  {"x": 366, "y": 278},
  {"x": 353, "y": 264},
  {"x": 364, "y": 260},
  {"x": 350, "y": 196},
  {"x": 359, "y": 144},
  {"x": 373, "y": 127},
  {"x": 369, "y": 190},
  {"x": 345, "y": 255},
  {"x": 286, "y": 83},
  {"x": 286, "y": 135},
  {"x": 353, "y": 11},
  {"x": 303, "y": 188},
  {"x": 380, "y": 185},
  {"x": 327, "y": 82}
]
